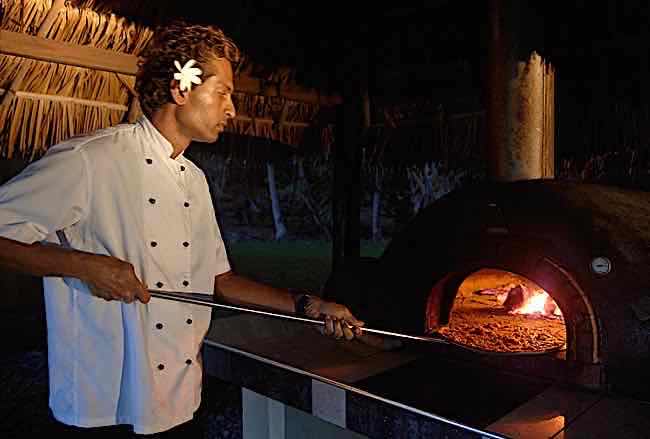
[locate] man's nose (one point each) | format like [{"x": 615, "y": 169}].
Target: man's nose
[{"x": 230, "y": 110}]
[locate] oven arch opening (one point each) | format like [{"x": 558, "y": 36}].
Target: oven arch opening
[
  {"x": 583, "y": 365},
  {"x": 499, "y": 311}
]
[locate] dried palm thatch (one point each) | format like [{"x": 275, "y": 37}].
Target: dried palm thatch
[
  {"x": 53, "y": 102},
  {"x": 44, "y": 103}
]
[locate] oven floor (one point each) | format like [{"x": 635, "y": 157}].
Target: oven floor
[{"x": 472, "y": 395}]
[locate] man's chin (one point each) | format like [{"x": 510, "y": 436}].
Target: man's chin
[{"x": 211, "y": 138}]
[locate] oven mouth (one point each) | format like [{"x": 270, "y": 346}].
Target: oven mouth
[{"x": 498, "y": 312}]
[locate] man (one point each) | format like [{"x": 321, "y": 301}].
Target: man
[{"x": 106, "y": 216}]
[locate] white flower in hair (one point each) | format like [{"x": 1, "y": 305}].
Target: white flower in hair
[{"x": 187, "y": 75}]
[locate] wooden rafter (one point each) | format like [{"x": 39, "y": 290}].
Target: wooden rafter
[
  {"x": 124, "y": 108},
  {"x": 57, "y": 98},
  {"x": 27, "y": 46}
]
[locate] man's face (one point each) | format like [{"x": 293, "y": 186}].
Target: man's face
[{"x": 209, "y": 105}]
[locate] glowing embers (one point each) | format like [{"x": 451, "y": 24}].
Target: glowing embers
[{"x": 499, "y": 311}]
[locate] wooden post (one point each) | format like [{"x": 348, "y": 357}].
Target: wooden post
[
  {"x": 352, "y": 121},
  {"x": 520, "y": 100}
]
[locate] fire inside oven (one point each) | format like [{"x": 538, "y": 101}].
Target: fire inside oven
[{"x": 500, "y": 311}]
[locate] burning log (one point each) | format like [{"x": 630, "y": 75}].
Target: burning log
[{"x": 516, "y": 298}]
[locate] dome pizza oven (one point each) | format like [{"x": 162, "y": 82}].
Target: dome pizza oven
[{"x": 544, "y": 277}]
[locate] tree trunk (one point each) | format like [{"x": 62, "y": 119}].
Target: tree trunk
[
  {"x": 376, "y": 216},
  {"x": 296, "y": 165},
  {"x": 280, "y": 228},
  {"x": 305, "y": 195},
  {"x": 376, "y": 203}
]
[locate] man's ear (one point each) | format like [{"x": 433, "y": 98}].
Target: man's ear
[{"x": 179, "y": 97}]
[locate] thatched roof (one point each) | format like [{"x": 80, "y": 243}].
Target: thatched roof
[
  {"x": 52, "y": 102},
  {"x": 433, "y": 49},
  {"x": 46, "y": 102}
]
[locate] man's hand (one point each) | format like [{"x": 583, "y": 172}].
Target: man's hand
[
  {"x": 113, "y": 279},
  {"x": 339, "y": 321}
]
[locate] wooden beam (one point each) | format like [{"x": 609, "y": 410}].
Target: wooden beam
[
  {"x": 47, "y": 23},
  {"x": 27, "y": 46},
  {"x": 124, "y": 108},
  {"x": 51, "y": 97},
  {"x": 42, "y": 49}
]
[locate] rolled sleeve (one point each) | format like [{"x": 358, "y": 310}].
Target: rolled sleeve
[
  {"x": 222, "y": 264},
  {"x": 49, "y": 195}
]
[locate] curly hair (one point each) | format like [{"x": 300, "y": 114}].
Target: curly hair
[{"x": 178, "y": 41}]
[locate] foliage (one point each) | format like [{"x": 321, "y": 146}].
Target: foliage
[
  {"x": 628, "y": 168},
  {"x": 240, "y": 192}
]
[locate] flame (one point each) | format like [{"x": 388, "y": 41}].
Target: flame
[
  {"x": 539, "y": 302},
  {"x": 534, "y": 305}
]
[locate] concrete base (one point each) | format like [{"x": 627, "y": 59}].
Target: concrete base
[
  {"x": 266, "y": 418},
  {"x": 297, "y": 383}
]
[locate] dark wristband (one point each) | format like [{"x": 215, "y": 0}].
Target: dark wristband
[{"x": 300, "y": 303}]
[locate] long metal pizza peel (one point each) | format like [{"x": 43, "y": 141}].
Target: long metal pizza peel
[{"x": 208, "y": 300}]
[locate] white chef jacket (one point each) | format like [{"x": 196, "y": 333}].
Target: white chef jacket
[{"x": 117, "y": 192}]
